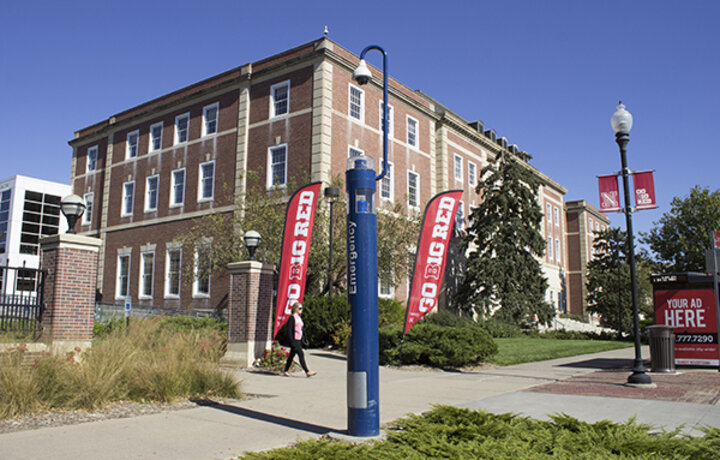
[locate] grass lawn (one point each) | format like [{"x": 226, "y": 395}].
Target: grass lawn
[{"x": 518, "y": 350}]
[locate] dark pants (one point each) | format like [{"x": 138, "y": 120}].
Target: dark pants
[{"x": 296, "y": 349}]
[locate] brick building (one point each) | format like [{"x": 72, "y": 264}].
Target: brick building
[
  {"x": 149, "y": 170},
  {"x": 582, "y": 220}
]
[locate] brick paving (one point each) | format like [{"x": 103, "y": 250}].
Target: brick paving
[{"x": 689, "y": 385}]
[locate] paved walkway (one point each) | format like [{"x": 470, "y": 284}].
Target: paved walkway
[{"x": 284, "y": 410}]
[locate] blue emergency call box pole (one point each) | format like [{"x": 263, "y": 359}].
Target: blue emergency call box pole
[
  {"x": 362, "y": 374},
  {"x": 363, "y": 398}
]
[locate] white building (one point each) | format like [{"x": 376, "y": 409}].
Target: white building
[{"x": 29, "y": 210}]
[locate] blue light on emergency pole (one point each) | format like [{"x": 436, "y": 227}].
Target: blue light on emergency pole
[
  {"x": 362, "y": 375},
  {"x": 363, "y": 398}
]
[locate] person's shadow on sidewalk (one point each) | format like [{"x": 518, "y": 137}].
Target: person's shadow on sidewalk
[{"x": 274, "y": 419}]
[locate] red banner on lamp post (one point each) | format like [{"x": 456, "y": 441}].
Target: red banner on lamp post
[
  {"x": 295, "y": 251},
  {"x": 609, "y": 193},
  {"x": 716, "y": 239},
  {"x": 644, "y": 190},
  {"x": 431, "y": 256}
]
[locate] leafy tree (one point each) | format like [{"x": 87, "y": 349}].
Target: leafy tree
[
  {"x": 503, "y": 267},
  {"x": 609, "y": 291},
  {"x": 219, "y": 235},
  {"x": 681, "y": 237}
]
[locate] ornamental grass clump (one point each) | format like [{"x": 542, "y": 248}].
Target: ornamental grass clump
[{"x": 144, "y": 362}]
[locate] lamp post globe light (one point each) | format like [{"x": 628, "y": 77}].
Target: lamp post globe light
[
  {"x": 331, "y": 194},
  {"x": 363, "y": 403},
  {"x": 252, "y": 241},
  {"x": 72, "y": 207},
  {"x": 621, "y": 123}
]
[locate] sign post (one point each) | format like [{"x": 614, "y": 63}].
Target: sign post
[
  {"x": 713, "y": 265},
  {"x": 128, "y": 309}
]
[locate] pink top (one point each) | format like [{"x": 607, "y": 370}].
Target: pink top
[{"x": 298, "y": 326}]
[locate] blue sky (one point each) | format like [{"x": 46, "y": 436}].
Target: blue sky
[{"x": 545, "y": 74}]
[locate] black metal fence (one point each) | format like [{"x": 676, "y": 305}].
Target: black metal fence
[{"x": 21, "y": 298}]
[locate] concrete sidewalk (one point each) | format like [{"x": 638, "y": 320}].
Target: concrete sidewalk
[{"x": 282, "y": 410}]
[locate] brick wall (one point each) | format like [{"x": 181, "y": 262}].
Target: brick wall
[{"x": 71, "y": 262}]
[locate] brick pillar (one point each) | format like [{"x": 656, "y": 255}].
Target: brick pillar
[
  {"x": 71, "y": 262},
  {"x": 250, "y": 312}
]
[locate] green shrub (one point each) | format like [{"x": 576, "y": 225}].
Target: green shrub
[
  {"x": 446, "y": 318},
  {"x": 436, "y": 346},
  {"x": 101, "y": 330},
  {"x": 501, "y": 329},
  {"x": 190, "y": 323},
  {"x": 322, "y": 316},
  {"x": 390, "y": 312}
]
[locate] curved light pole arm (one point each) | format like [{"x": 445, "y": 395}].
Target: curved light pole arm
[{"x": 385, "y": 105}]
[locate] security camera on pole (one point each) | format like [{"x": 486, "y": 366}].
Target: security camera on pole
[{"x": 362, "y": 375}]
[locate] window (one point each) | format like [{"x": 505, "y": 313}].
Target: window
[
  {"x": 412, "y": 132},
  {"x": 386, "y": 187},
  {"x": 92, "y": 157},
  {"x": 203, "y": 265},
  {"x": 550, "y": 248},
  {"x": 390, "y": 119},
  {"x": 4, "y": 218},
  {"x": 357, "y": 103},
  {"x": 557, "y": 249},
  {"x": 151, "y": 193},
  {"x": 41, "y": 217},
  {"x": 548, "y": 212},
  {"x": 472, "y": 175},
  {"x": 353, "y": 152},
  {"x": 591, "y": 224},
  {"x": 123, "y": 276},
  {"x": 147, "y": 270},
  {"x": 597, "y": 227},
  {"x": 460, "y": 217},
  {"x": 127, "y": 198},
  {"x": 156, "y": 132},
  {"x": 210, "y": 119},
  {"x": 556, "y": 215},
  {"x": 386, "y": 289},
  {"x": 87, "y": 215},
  {"x": 277, "y": 166},
  {"x": 206, "y": 184},
  {"x": 131, "y": 144},
  {"x": 413, "y": 192},
  {"x": 280, "y": 99},
  {"x": 177, "y": 194},
  {"x": 181, "y": 128},
  {"x": 458, "y": 168},
  {"x": 173, "y": 265}
]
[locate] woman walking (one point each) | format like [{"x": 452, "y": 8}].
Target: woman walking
[{"x": 296, "y": 332}]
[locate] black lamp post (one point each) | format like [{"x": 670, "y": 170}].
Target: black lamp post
[
  {"x": 252, "y": 241},
  {"x": 72, "y": 206},
  {"x": 331, "y": 194},
  {"x": 622, "y": 122}
]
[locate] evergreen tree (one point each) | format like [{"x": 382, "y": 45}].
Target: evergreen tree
[
  {"x": 608, "y": 281},
  {"x": 506, "y": 244}
]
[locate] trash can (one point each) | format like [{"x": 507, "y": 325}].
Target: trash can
[{"x": 662, "y": 349}]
